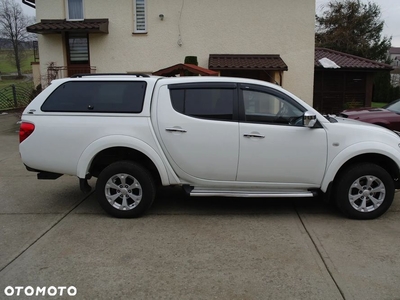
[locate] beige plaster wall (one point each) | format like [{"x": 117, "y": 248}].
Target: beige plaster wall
[
  {"x": 51, "y": 50},
  {"x": 284, "y": 27},
  {"x": 50, "y": 9},
  {"x": 36, "y": 74}
]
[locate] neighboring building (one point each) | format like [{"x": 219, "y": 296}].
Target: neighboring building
[
  {"x": 270, "y": 40},
  {"x": 394, "y": 54},
  {"x": 346, "y": 81}
]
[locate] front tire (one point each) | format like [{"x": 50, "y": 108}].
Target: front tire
[
  {"x": 125, "y": 189},
  {"x": 364, "y": 191}
]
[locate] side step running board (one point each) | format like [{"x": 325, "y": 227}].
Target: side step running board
[{"x": 197, "y": 192}]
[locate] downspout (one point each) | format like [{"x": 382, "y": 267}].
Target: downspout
[{"x": 29, "y": 3}]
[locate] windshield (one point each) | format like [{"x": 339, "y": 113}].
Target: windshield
[{"x": 394, "y": 106}]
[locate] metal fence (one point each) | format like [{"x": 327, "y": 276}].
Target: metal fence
[
  {"x": 56, "y": 72},
  {"x": 15, "y": 96}
]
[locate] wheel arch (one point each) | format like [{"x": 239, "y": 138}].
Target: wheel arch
[
  {"x": 385, "y": 162},
  {"x": 385, "y": 157},
  {"x": 107, "y": 150},
  {"x": 114, "y": 154}
]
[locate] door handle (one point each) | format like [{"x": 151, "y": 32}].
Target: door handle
[
  {"x": 254, "y": 135},
  {"x": 172, "y": 129}
]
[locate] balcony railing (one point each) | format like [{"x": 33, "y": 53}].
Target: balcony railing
[{"x": 56, "y": 72}]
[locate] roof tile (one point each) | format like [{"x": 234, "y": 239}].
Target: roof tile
[
  {"x": 176, "y": 69},
  {"x": 348, "y": 61},
  {"x": 246, "y": 62},
  {"x": 58, "y": 26}
]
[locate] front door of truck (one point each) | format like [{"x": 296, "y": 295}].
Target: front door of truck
[{"x": 275, "y": 147}]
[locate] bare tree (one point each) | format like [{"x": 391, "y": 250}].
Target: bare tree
[{"x": 13, "y": 23}]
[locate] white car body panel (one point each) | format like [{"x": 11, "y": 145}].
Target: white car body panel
[
  {"x": 350, "y": 138},
  {"x": 353, "y": 151},
  {"x": 77, "y": 137},
  {"x": 266, "y": 159},
  {"x": 211, "y": 153}
]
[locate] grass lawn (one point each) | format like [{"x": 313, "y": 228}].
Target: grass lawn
[
  {"x": 378, "y": 104},
  {"x": 16, "y": 82},
  {"x": 7, "y": 65}
]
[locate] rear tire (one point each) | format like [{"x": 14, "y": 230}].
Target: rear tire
[
  {"x": 125, "y": 189},
  {"x": 364, "y": 191}
]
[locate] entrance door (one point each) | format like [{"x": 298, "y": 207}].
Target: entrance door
[{"x": 78, "y": 53}]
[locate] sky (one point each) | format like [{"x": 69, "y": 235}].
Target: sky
[{"x": 390, "y": 10}]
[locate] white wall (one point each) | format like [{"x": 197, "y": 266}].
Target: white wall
[{"x": 284, "y": 27}]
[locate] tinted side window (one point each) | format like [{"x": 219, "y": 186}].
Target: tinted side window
[
  {"x": 97, "y": 96},
  {"x": 262, "y": 107},
  {"x": 205, "y": 103}
]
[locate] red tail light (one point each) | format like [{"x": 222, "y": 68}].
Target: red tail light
[{"x": 25, "y": 130}]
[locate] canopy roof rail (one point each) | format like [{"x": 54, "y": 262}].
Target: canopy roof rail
[{"x": 109, "y": 74}]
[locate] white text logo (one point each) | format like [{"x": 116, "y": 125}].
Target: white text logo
[{"x": 40, "y": 291}]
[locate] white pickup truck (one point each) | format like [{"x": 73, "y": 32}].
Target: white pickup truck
[{"x": 214, "y": 136}]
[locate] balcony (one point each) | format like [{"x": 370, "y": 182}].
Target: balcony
[{"x": 57, "y": 72}]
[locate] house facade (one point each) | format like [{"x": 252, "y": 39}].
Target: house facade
[{"x": 270, "y": 40}]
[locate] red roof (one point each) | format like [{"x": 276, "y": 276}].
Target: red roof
[
  {"x": 180, "y": 68},
  {"x": 347, "y": 61},
  {"x": 58, "y": 26},
  {"x": 270, "y": 62}
]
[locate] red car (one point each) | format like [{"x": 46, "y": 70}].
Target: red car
[{"x": 387, "y": 116}]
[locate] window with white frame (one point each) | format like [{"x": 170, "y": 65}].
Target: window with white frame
[
  {"x": 75, "y": 9},
  {"x": 140, "y": 23}
]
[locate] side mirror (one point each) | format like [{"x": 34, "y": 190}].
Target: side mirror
[{"x": 309, "y": 119}]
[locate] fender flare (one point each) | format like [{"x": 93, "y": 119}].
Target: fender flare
[
  {"x": 353, "y": 151},
  {"x": 107, "y": 142}
]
